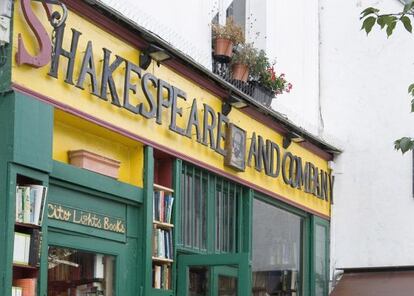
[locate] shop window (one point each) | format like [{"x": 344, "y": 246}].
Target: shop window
[
  {"x": 277, "y": 251},
  {"x": 198, "y": 189},
  {"x": 320, "y": 256},
  {"x": 227, "y": 195},
  {"x": 194, "y": 190},
  {"x": 72, "y": 272}
]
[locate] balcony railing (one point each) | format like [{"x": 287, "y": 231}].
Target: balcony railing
[{"x": 250, "y": 88}]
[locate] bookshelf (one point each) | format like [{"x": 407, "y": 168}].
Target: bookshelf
[
  {"x": 162, "y": 237},
  {"x": 30, "y": 197}
]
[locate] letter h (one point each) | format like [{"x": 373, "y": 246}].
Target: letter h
[{"x": 70, "y": 55}]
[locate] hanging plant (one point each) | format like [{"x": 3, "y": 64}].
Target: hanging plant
[
  {"x": 225, "y": 37},
  {"x": 243, "y": 59}
]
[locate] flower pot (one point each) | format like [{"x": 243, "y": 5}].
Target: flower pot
[
  {"x": 262, "y": 94},
  {"x": 240, "y": 72},
  {"x": 223, "y": 49},
  {"x": 94, "y": 162}
]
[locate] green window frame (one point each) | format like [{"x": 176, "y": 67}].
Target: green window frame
[
  {"x": 315, "y": 236},
  {"x": 210, "y": 219},
  {"x": 320, "y": 257}
]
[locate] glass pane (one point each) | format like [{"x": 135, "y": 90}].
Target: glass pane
[
  {"x": 321, "y": 276},
  {"x": 198, "y": 281},
  {"x": 193, "y": 208},
  {"x": 195, "y": 193},
  {"x": 227, "y": 286},
  {"x": 226, "y": 216},
  {"x": 76, "y": 273},
  {"x": 277, "y": 251}
]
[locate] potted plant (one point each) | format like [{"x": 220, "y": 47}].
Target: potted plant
[
  {"x": 267, "y": 84},
  {"x": 225, "y": 37},
  {"x": 243, "y": 60}
]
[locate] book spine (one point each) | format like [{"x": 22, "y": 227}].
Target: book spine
[
  {"x": 34, "y": 248},
  {"x": 19, "y": 204},
  {"x": 26, "y": 204}
]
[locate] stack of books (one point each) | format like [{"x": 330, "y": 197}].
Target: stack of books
[
  {"x": 30, "y": 204},
  {"x": 162, "y": 209}
]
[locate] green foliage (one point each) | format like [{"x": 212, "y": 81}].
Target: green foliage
[
  {"x": 372, "y": 16},
  {"x": 404, "y": 144},
  {"x": 245, "y": 54},
  {"x": 230, "y": 31}
]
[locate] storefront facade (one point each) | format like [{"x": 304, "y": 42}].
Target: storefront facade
[{"x": 149, "y": 186}]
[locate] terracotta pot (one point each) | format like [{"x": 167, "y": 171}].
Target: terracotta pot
[
  {"x": 240, "y": 72},
  {"x": 224, "y": 47},
  {"x": 94, "y": 162}
]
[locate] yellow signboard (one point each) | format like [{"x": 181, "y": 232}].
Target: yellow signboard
[{"x": 94, "y": 74}]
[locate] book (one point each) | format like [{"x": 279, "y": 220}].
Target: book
[
  {"x": 35, "y": 248},
  {"x": 30, "y": 204},
  {"x": 17, "y": 291},
  {"x": 157, "y": 276},
  {"x": 39, "y": 195},
  {"x": 21, "y": 250},
  {"x": 28, "y": 286},
  {"x": 19, "y": 204},
  {"x": 26, "y": 204}
]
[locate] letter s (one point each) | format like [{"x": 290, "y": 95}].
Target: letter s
[{"x": 45, "y": 45}]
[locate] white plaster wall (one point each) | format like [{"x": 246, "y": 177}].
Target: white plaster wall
[
  {"x": 183, "y": 23},
  {"x": 364, "y": 97},
  {"x": 292, "y": 38}
]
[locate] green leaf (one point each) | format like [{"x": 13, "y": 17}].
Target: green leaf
[
  {"x": 412, "y": 105},
  {"x": 408, "y": 6},
  {"x": 367, "y": 11},
  {"x": 390, "y": 28},
  {"x": 368, "y": 23},
  {"x": 404, "y": 144},
  {"x": 411, "y": 88},
  {"x": 407, "y": 23},
  {"x": 381, "y": 21}
]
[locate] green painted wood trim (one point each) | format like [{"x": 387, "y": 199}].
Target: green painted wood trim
[
  {"x": 83, "y": 242},
  {"x": 239, "y": 261},
  {"x": 307, "y": 254},
  {"x": 317, "y": 221},
  {"x": 247, "y": 234},
  {"x": 80, "y": 177},
  {"x": 33, "y": 132},
  {"x": 42, "y": 178},
  {"x": 147, "y": 232},
  {"x": 6, "y": 155},
  {"x": 6, "y": 69},
  {"x": 280, "y": 204},
  {"x": 177, "y": 167},
  {"x": 211, "y": 218}
]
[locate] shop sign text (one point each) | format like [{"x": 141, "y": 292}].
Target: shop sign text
[{"x": 85, "y": 218}]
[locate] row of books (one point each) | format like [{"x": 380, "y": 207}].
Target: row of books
[
  {"x": 27, "y": 248},
  {"x": 30, "y": 203},
  {"x": 162, "y": 243},
  {"x": 24, "y": 287},
  {"x": 161, "y": 276},
  {"x": 162, "y": 207}
]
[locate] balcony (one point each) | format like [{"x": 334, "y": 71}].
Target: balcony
[{"x": 222, "y": 68}]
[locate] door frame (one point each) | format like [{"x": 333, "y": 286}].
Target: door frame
[{"x": 239, "y": 261}]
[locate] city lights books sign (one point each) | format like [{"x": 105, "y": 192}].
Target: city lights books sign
[{"x": 110, "y": 78}]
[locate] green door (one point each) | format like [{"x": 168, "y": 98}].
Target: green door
[
  {"x": 212, "y": 275},
  {"x": 224, "y": 281}
]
